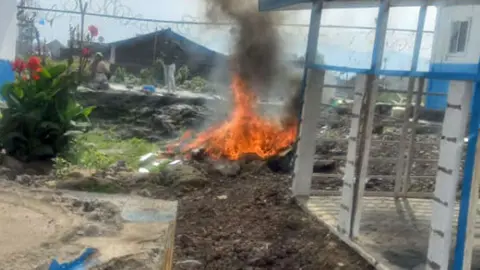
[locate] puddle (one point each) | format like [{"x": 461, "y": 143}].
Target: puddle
[{"x": 147, "y": 215}]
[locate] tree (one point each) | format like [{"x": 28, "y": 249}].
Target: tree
[{"x": 27, "y": 32}]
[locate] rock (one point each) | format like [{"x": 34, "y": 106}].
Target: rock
[
  {"x": 227, "y": 168},
  {"x": 37, "y": 167},
  {"x": 189, "y": 265},
  {"x": 24, "y": 179},
  {"x": 184, "y": 175},
  {"x": 9, "y": 173},
  {"x": 144, "y": 193}
]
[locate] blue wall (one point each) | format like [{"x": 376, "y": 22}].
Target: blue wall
[
  {"x": 440, "y": 86},
  {"x": 6, "y": 73}
]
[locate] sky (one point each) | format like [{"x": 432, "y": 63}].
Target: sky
[{"x": 339, "y": 46}]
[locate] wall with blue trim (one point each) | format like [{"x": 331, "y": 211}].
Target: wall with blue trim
[
  {"x": 6, "y": 73},
  {"x": 441, "y": 86}
]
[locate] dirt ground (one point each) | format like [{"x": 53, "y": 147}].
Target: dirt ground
[
  {"x": 247, "y": 221},
  {"x": 250, "y": 222}
]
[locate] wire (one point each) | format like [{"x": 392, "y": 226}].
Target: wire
[{"x": 202, "y": 23}]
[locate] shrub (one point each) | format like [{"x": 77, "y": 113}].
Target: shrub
[
  {"x": 182, "y": 75},
  {"x": 42, "y": 114},
  {"x": 147, "y": 76},
  {"x": 119, "y": 75}
]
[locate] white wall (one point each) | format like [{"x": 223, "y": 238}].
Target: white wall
[
  {"x": 445, "y": 17},
  {"x": 8, "y": 29}
]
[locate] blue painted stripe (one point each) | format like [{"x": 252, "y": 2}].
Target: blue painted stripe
[
  {"x": 433, "y": 75},
  {"x": 378, "y": 46},
  {"x": 441, "y": 86},
  {"x": 467, "y": 180},
  {"x": 6, "y": 74},
  {"x": 269, "y": 5}
]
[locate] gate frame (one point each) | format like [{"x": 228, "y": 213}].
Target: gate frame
[{"x": 353, "y": 183}]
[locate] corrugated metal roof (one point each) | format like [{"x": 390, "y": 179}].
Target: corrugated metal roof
[{"x": 168, "y": 33}]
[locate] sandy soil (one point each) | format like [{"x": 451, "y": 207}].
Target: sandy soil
[{"x": 38, "y": 226}]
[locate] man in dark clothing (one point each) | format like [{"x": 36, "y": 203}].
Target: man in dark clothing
[{"x": 170, "y": 55}]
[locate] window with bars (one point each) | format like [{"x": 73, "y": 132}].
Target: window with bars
[{"x": 459, "y": 36}]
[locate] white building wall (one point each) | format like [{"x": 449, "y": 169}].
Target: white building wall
[
  {"x": 8, "y": 29},
  {"x": 445, "y": 17}
]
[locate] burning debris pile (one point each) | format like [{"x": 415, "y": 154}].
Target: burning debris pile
[{"x": 247, "y": 134}]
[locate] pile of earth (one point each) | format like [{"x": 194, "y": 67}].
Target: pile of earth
[
  {"x": 152, "y": 117},
  {"x": 227, "y": 219}
]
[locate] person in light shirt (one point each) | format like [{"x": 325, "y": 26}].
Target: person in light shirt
[{"x": 100, "y": 72}]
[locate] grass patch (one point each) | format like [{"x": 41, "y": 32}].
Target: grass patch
[{"x": 100, "y": 149}]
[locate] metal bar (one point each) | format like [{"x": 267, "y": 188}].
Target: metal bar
[
  {"x": 432, "y": 75},
  {"x": 422, "y": 143},
  {"x": 411, "y": 143},
  {"x": 376, "y": 159},
  {"x": 396, "y": 3},
  {"x": 393, "y": 176},
  {"x": 417, "y": 195},
  {"x": 400, "y": 91},
  {"x": 326, "y": 175},
  {"x": 400, "y": 166}
]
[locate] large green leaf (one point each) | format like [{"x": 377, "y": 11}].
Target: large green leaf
[
  {"x": 42, "y": 116},
  {"x": 87, "y": 111},
  {"x": 57, "y": 70}
]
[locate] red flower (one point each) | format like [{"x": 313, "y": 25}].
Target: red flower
[
  {"x": 93, "y": 30},
  {"x": 85, "y": 51},
  {"x": 18, "y": 65},
  {"x": 34, "y": 63},
  {"x": 35, "y": 76}
]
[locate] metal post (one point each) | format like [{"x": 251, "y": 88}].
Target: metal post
[
  {"x": 305, "y": 150},
  {"x": 372, "y": 86},
  {"x": 400, "y": 168},
  {"x": 311, "y": 93},
  {"x": 451, "y": 149},
  {"x": 470, "y": 186},
  {"x": 345, "y": 214},
  {"x": 411, "y": 143}
]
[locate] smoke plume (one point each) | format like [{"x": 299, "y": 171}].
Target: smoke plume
[{"x": 257, "y": 42}]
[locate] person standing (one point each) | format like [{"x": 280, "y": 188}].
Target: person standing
[{"x": 170, "y": 55}]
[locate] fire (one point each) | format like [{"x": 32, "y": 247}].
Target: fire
[{"x": 245, "y": 132}]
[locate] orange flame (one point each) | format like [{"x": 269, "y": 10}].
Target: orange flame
[{"x": 245, "y": 132}]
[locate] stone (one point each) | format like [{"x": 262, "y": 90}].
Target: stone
[
  {"x": 184, "y": 175},
  {"x": 189, "y": 265},
  {"x": 227, "y": 168}
]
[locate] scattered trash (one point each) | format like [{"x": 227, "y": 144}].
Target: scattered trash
[
  {"x": 85, "y": 261},
  {"x": 149, "y": 88},
  {"x": 152, "y": 162},
  {"x": 222, "y": 197}
]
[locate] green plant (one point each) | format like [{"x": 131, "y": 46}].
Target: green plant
[
  {"x": 119, "y": 75},
  {"x": 42, "y": 114},
  {"x": 99, "y": 150},
  {"x": 183, "y": 74},
  {"x": 147, "y": 76}
]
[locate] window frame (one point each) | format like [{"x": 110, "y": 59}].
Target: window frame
[{"x": 467, "y": 20}]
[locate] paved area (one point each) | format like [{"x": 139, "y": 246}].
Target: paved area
[{"x": 394, "y": 232}]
